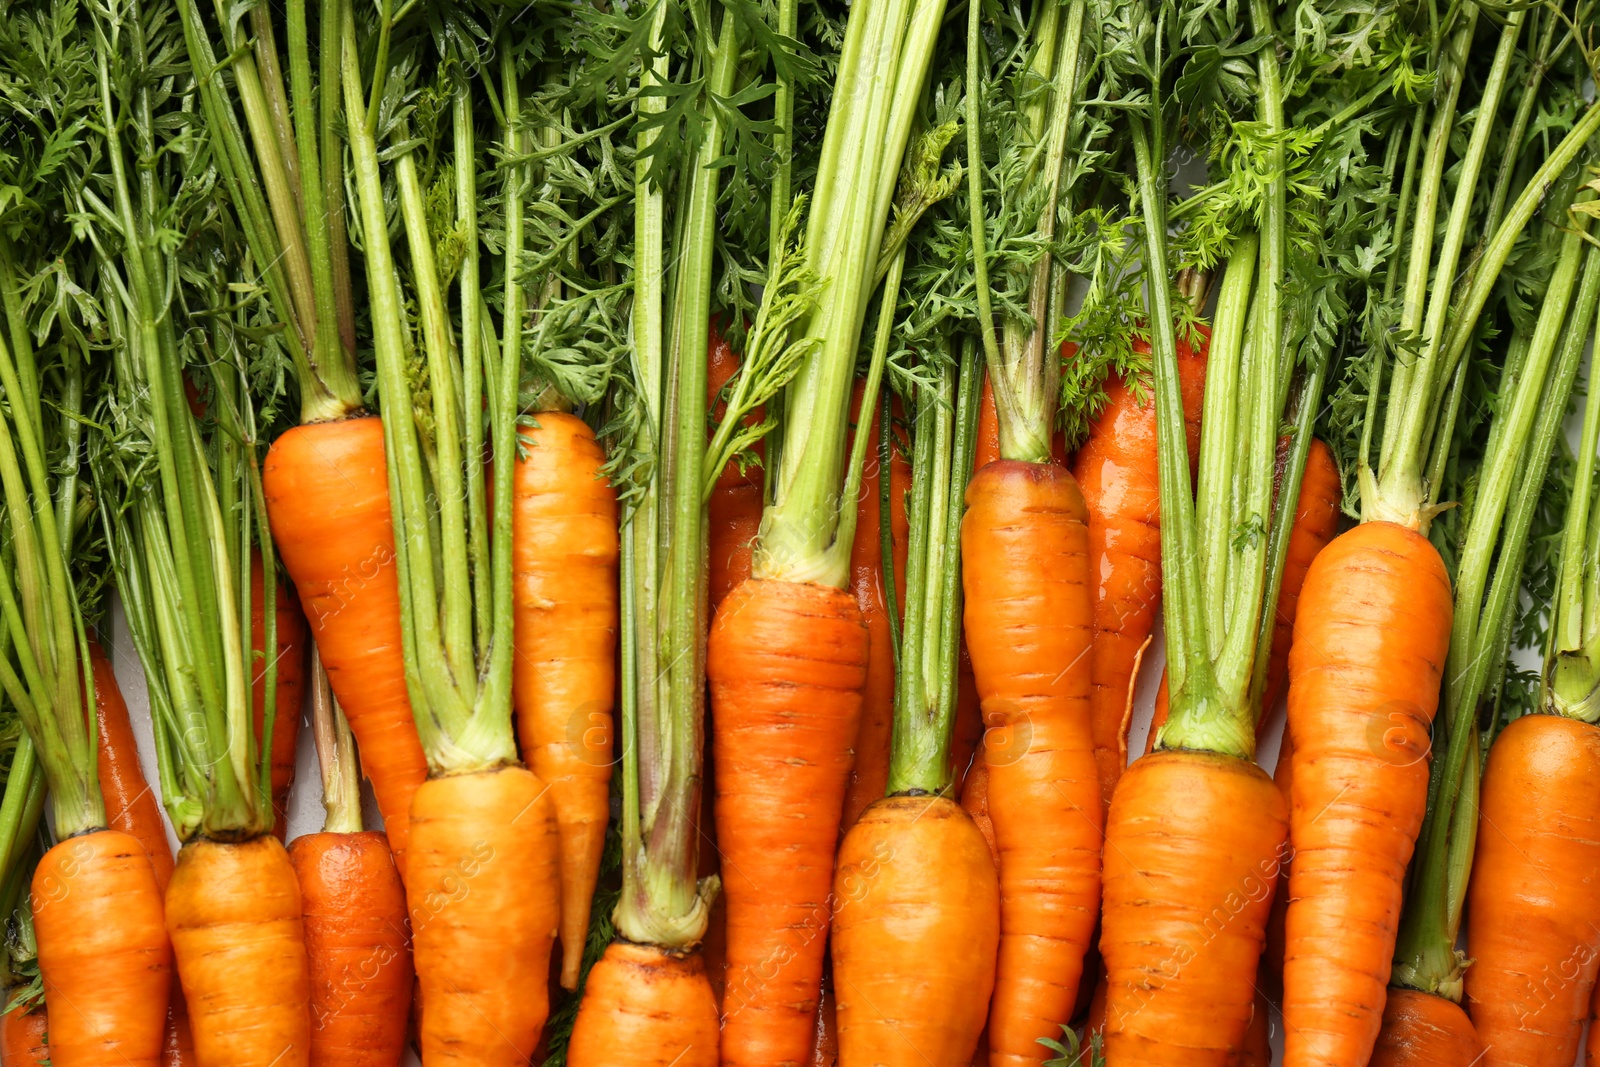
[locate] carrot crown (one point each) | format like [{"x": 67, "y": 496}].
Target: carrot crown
[{"x": 806, "y": 532}]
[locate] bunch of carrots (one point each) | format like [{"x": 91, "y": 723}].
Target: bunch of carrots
[{"x": 784, "y": 535}]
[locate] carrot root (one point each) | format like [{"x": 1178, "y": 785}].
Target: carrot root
[
  {"x": 1422, "y": 1030},
  {"x": 645, "y": 1007}
]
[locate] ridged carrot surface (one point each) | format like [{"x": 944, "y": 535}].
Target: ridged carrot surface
[
  {"x": 645, "y": 1007},
  {"x": 1422, "y": 1030},
  {"x": 1370, "y": 639}
]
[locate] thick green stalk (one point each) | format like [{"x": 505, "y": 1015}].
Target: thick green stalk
[
  {"x": 1425, "y": 956},
  {"x": 884, "y": 63},
  {"x": 925, "y": 685}
]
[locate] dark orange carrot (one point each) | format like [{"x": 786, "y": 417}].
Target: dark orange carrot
[
  {"x": 1316, "y": 520},
  {"x": 1370, "y": 638},
  {"x": 870, "y": 769},
  {"x": 103, "y": 951},
  {"x": 564, "y": 677},
  {"x": 1256, "y": 1051},
  {"x": 915, "y": 893},
  {"x": 131, "y": 807},
  {"x": 327, "y": 493},
  {"x": 825, "y": 1047},
  {"x": 356, "y": 945},
  {"x": 782, "y": 748},
  {"x": 1533, "y": 894},
  {"x": 484, "y": 845},
  {"x": 1196, "y": 950},
  {"x": 1422, "y": 1030},
  {"x": 733, "y": 514},
  {"x": 293, "y": 640},
  {"x": 1116, "y": 469},
  {"x": 1591, "y": 1047},
  {"x": 975, "y": 802},
  {"x": 1027, "y": 616},
  {"x": 643, "y": 1007},
  {"x": 23, "y": 1033},
  {"x": 235, "y": 910}
]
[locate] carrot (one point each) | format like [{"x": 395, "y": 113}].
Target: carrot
[
  {"x": 825, "y": 1047},
  {"x": 103, "y": 952},
  {"x": 483, "y": 889},
  {"x": 915, "y": 894},
  {"x": 354, "y": 909},
  {"x": 870, "y": 770},
  {"x": 733, "y": 513},
  {"x": 975, "y": 801},
  {"x": 1316, "y": 520},
  {"x": 787, "y": 662},
  {"x": 1422, "y": 1030},
  {"x": 355, "y": 912},
  {"x": 234, "y": 910},
  {"x": 1179, "y": 970},
  {"x": 1025, "y": 553},
  {"x": 1533, "y": 894},
  {"x": 131, "y": 805},
  {"x": 1591, "y": 1046},
  {"x": 1256, "y": 1050},
  {"x": 1370, "y": 638},
  {"x": 291, "y": 662},
  {"x": 565, "y": 558},
  {"x": 23, "y": 1034},
  {"x": 1116, "y": 470},
  {"x": 644, "y": 1007},
  {"x": 131, "y": 808},
  {"x": 327, "y": 492}
]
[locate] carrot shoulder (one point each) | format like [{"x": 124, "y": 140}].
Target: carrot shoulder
[
  {"x": 564, "y": 677},
  {"x": 1422, "y": 1030},
  {"x": 1370, "y": 638}
]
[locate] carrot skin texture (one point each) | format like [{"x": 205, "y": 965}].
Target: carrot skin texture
[
  {"x": 733, "y": 514},
  {"x": 1591, "y": 1049},
  {"x": 869, "y": 774},
  {"x": 131, "y": 808},
  {"x": 234, "y": 910},
  {"x": 975, "y": 802},
  {"x": 915, "y": 935},
  {"x": 103, "y": 951},
  {"x": 564, "y": 680},
  {"x": 327, "y": 493},
  {"x": 484, "y": 894},
  {"x": 1025, "y": 564},
  {"x": 22, "y": 1038},
  {"x": 293, "y": 645},
  {"x": 1370, "y": 639},
  {"x": 645, "y": 1007},
  {"x": 1116, "y": 469},
  {"x": 787, "y": 662},
  {"x": 1533, "y": 898},
  {"x": 825, "y": 1045},
  {"x": 1422, "y": 1030},
  {"x": 1192, "y": 850},
  {"x": 1256, "y": 1050},
  {"x": 356, "y": 944}
]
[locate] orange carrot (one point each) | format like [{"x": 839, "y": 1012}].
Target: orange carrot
[
  {"x": 234, "y": 916},
  {"x": 483, "y": 888},
  {"x": 733, "y": 514},
  {"x": 1116, "y": 469},
  {"x": 975, "y": 802},
  {"x": 825, "y": 1047},
  {"x": 786, "y": 662},
  {"x": 1316, "y": 520},
  {"x": 1256, "y": 1051},
  {"x": 327, "y": 493},
  {"x": 1422, "y": 1030},
  {"x": 103, "y": 952},
  {"x": 1370, "y": 639},
  {"x": 644, "y": 1007},
  {"x": 1178, "y": 886},
  {"x": 564, "y": 678},
  {"x": 131, "y": 807},
  {"x": 355, "y": 934},
  {"x": 870, "y": 771},
  {"x": 23, "y": 1038},
  {"x": 291, "y": 662},
  {"x": 1027, "y": 616},
  {"x": 1533, "y": 894},
  {"x": 1591, "y": 1049},
  {"x": 915, "y": 893}
]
